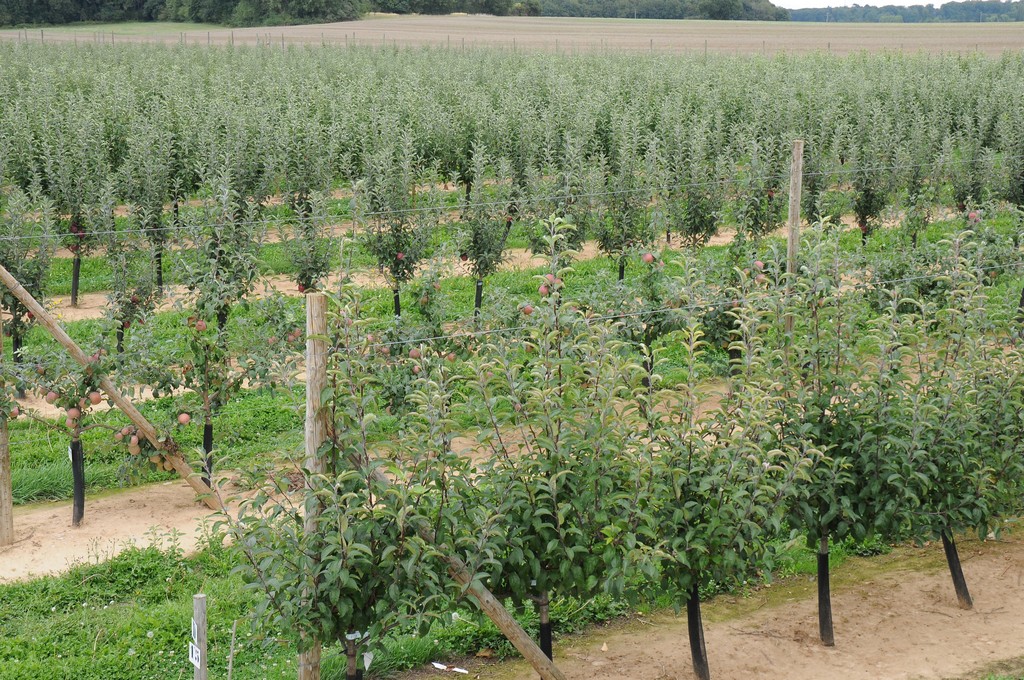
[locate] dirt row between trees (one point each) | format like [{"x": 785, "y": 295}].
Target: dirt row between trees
[
  {"x": 895, "y": 615},
  {"x": 567, "y": 35},
  {"x": 93, "y": 305}
]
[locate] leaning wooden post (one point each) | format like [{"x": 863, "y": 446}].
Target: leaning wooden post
[
  {"x": 316, "y": 435},
  {"x": 460, "y": 573},
  {"x": 6, "y": 492},
  {"x": 796, "y": 178},
  {"x": 165, "y": 445}
]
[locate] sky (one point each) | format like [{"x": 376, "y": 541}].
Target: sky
[{"x": 802, "y": 4}]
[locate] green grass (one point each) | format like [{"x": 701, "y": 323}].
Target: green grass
[
  {"x": 128, "y": 618},
  {"x": 256, "y": 428}
]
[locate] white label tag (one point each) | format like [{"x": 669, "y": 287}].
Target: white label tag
[
  {"x": 193, "y": 655},
  {"x": 367, "y": 660},
  {"x": 195, "y": 631}
]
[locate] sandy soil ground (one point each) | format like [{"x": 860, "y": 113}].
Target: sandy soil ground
[
  {"x": 572, "y": 35},
  {"x": 896, "y": 617},
  {"x": 47, "y": 543},
  {"x": 93, "y": 305}
]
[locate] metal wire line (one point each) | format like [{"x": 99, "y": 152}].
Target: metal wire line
[
  {"x": 661, "y": 310},
  {"x": 649, "y": 189}
]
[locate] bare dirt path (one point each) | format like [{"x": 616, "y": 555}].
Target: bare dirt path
[
  {"x": 896, "y": 617},
  {"x": 93, "y": 305},
  {"x": 566, "y": 35},
  {"x": 47, "y": 543}
]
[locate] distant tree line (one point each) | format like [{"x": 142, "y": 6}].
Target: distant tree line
[
  {"x": 977, "y": 11},
  {"x": 239, "y": 12},
  {"x": 751, "y": 10},
  {"x": 276, "y": 12}
]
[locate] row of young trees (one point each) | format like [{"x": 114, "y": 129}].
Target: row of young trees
[
  {"x": 890, "y": 410},
  {"x": 88, "y": 127},
  {"x": 229, "y": 338}
]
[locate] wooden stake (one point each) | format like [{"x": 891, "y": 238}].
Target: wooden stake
[
  {"x": 316, "y": 435},
  {"x": 166, "y": 445},
  {"x": 6, "y": 492},
  {"x": 199, "y": 616},
  {"x": 796, "y": 172}
]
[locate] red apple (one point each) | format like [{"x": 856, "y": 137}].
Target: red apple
[
  {"x": 70, "y": 422},
  {"x": 400, "y": 256},
  {"x": 30, "y": 316},
  {"x": 463, "y": 257},
  {"x": 200, "y": 325},
  {"x": 450, "y": 356},
  {"x": 758, "y": 265},
  {"x": 648, "y": 258},
  {"x": 272, "y": 340},
  {"x": 40, "y": 369},
  {"x": 302, "y": 288},
  {"x": 135, "y": 299},
  {"x": 543, "y": 290},
  {"x": 118, "y": 436},
  {"x": 551, "y": 278},
  {"x": 51, "y": 397},
  {"x": 184, "y": 419},
  {"x": 416, "y": 370},
  {"x": 414, "y": 353},
  {"x": 74, "y": 413},
  {"x": 528, "y": 310},
  {"x": 15, "y": 412},
  {"x": 972, "y": 216},
  {"x": 760, "y": 278},
  {"x": 134, "y": 441}
]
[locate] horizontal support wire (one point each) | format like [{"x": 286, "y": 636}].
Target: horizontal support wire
[
  {"x": 663, "y": 310},
  {"x": 648, "y": 189}
]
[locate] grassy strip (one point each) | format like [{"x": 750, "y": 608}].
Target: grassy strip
[
  {"x": 128, "y": 617},
  {"x": 256, "y": 428}
]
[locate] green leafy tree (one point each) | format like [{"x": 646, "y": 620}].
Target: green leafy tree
[
  {"x": 27, "y": 242},
  {"x": 486, "y": 222},
  {"x": 395, "y": 219}
]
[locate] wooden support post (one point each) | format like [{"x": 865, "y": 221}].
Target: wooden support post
[
  {"x": 796, "y": 172},
  {"x": 165, "y": 445},
  {"x": 316, "y": 435},
  {"x": 199, "y": 633},
  {"x": 6, "y": 492}
]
